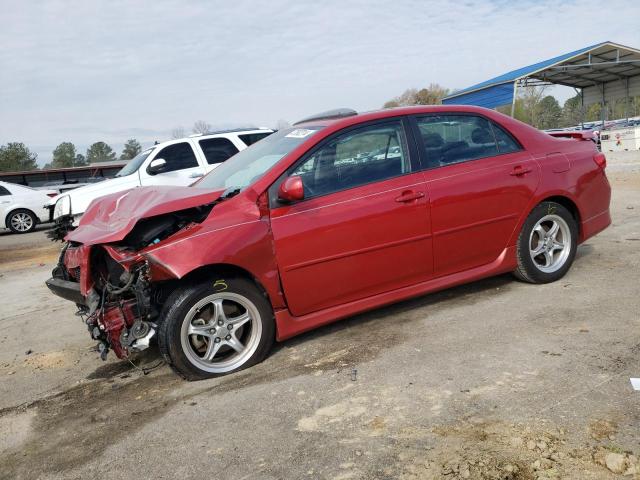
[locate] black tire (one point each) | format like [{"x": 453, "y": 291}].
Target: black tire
[
  {"x": 530, "y": 270},
  {"x": 181, "y": 356},
  {"x": 24, "y": 214}
]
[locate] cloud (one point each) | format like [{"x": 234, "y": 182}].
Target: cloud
[{"x": 86, "y": 71}]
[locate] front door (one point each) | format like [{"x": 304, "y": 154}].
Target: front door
[
  {"x": 363, "y": 227},
  {"x": 182, "y": 167},
  {"x": 480, "y": 182}
]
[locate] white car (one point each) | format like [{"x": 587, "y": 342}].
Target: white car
[
  {"x": 176, "y": 162},
  {"x": 22, "y": 208}
]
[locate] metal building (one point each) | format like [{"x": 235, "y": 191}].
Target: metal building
[{"x": 602, "y": 73}]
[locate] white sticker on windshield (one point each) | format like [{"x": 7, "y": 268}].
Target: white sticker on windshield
[{"x": 299, "y": 133}]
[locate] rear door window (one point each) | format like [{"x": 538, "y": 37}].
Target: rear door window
[
  {"x": 4, "y": 191},
  {"x": 453, "y": 138},
  {"x": 217, "y": 150},
  {"x": 506, "y": 143},
  {"x": 178, "y": 156}
]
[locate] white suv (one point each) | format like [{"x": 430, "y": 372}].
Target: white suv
[{"x": 176, "y": 162}]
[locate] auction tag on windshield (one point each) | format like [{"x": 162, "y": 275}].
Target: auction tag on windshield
[{"x": 299, "y": 133}]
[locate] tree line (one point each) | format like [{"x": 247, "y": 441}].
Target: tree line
[{"x": 16, "y": 156}]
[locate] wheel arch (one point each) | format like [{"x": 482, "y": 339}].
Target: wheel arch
[
  {"x": 570, "y": 205},
  {"x": 558, "y": 197},
  {"x": 18, "y": 207},
  {"x": 220, "y": 271}
]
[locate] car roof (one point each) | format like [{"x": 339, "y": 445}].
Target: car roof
[
  {"x": 391, "y": 112},
  {"x": 231, "y": 130},
  {"x": 526, "y": 134},
  {"x": 213, "y": 134}
]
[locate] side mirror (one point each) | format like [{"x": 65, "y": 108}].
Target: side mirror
[
  {"x": 156, "y": 166},
  {"x": 291, "y": 190}
]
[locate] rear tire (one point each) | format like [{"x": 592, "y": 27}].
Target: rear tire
[
  {"x": 547, "y": 244},
  {"x": 215, "y": 328},
  {"x": 22, "y": 221}
]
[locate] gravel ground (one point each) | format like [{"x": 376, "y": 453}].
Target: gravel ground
[{"x": 494, "y": 380}]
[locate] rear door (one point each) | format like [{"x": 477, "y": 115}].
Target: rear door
[
  {"x": 480, "y": 180},
  {"x": 182, "y": 167},
  {"x": 363, "y": 227}
]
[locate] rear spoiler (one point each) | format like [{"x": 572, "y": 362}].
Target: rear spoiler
[{"x": 578, "y": 135}]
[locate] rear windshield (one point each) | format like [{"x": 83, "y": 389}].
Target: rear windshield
[
  {"x": 251, "y": 138},
  {"x": 251, "y": 164}
]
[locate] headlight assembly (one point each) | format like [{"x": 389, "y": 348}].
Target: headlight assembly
[{"x": 63, "y": 207}]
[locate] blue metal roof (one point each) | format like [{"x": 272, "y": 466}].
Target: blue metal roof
[
  {"x": 489, "y": 97},
  {"x": 488, "y": 93}
]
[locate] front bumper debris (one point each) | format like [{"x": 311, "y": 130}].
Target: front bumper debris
[
  {"x": 66, "y": 289},
  {"x": 61, "y": 227}
]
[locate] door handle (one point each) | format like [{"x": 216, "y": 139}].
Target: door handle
[
  {"x": 196, "y": 175},
  {"x": 409, "y": 196},
  {"x": 517, "y": 171}
]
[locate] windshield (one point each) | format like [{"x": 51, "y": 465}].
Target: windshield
[
  {"x": 250, "y": 164},
  {"x": 134, "y": 164}
]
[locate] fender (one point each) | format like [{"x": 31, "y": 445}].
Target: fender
[
  {"x": 541, "y": 196},
  {"x": 223, "y": 239}
]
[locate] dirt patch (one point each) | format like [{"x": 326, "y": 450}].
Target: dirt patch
[
  {"x": 20, "y": 258},
  {"x": 603, "y": 429},
  {"x": 77, "y": 425},
  {"x": 498, "y": 451},
  {"x": 14, "y": 429},
  {"x": 48, "y": 360}
]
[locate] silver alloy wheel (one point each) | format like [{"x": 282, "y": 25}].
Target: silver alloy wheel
[
  {"x": 221, "y": 332},
  {"x": 550, "y": 243},
  {"x": 21, "y": 222}
]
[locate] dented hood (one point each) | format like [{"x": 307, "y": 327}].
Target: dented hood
[{"x": 112, "y": 217}]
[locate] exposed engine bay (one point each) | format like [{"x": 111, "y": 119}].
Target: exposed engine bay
[{"x": 112, "y": 283}]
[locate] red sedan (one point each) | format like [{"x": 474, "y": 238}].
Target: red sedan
[{"x": 339, "y": 214}]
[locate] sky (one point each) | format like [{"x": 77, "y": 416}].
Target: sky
[{"x": 108, "y": 71}]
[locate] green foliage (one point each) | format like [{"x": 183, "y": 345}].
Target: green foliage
[
  {"x": 100, "y": 152},
  {"x": 432, "y": 95},
  {"x": 572, "y": 111},
  {"x": 15, "y": 156},
  {"x": 131, "y": 149},
  {"x": 550, "y": 113},
  {"x": 64, "y": 156},
  {"x": 80, "y": 161},
  {"x": 593, "y": 112}
]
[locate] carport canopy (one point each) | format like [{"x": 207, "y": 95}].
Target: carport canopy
[{"x": 601, "y": 73}]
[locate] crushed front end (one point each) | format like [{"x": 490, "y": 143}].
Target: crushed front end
[
  {"x": 112, "y": 289},
  {"x": 106, "y": 266}
]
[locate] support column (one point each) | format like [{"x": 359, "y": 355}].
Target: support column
[
  {"x": 513, "y": 102},
  {"x": 603, "y": 112},
  {"x": 582, "y": 108},
  {"x": 626, "y": 100}
]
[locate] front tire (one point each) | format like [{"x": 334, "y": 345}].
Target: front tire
[
  {"x": 547, "y": 244},
  {"x": 22, "y": 221},
  {"x": 215, "y": 328}
]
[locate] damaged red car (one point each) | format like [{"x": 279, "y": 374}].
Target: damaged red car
[{"x": 339, "y": 214}]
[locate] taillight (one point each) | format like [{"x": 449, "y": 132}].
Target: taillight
[
  {"x": 52, "y": 195},
  {"x": 600, "y": 160}
]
